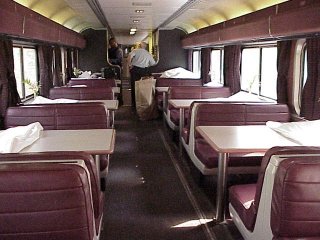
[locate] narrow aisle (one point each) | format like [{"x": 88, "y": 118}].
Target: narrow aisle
[{"x": 145, "y": 198}]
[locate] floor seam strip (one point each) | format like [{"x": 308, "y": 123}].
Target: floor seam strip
[{"x": 209, "y": 234}]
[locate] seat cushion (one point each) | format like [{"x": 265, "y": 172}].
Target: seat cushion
[
  {"x": 209, "y": 157},
  {"x": 241, "y": 198}
]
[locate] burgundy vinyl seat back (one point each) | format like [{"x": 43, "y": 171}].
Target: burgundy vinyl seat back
[
  {"x": 82, "y": 93},
  {"x": 93, "y": 83},
  {"x": 295, "y": 208},
  {"x": 170, "y": 82},
  {"x": 232, "y": 114},
  {"x": 64, "y": 116},
  {"x": 59, "y": 116},
  {"x": 45, "y": 199},
  {"x": 97, "y": 195},
  {"x": 193, "y": 92},
  {"x": 295, "y": 202}
]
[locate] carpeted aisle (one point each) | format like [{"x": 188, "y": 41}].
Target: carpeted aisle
[{"x": 145, "y": 198}]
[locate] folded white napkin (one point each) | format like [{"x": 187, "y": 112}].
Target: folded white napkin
[
  {"x": 85, "y": 74},
  {"x": 306, "y": 133},
  {"x": 43, "y": 100},
  {"x": 14, "y": 139},
  {"x": 179, "y": 73},
  {"x": 245, "y": 97}
]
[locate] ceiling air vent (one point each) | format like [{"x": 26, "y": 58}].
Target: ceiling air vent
[{"x": 141, "y": 4}]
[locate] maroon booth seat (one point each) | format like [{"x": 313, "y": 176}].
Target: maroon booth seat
[
  {"x": 204, "y": 157},
  {"x": 171, "y": 82},
  {"x": 191, "y": 92},
  {"x": 285, "y": 201},
  {"x": 49, "y": 196},
  {"x": 94, "y": 82},
  {"x": 82, "y": 93},
  {"x": 64, "y": 116},
  {"x": 58, "y": 116}
]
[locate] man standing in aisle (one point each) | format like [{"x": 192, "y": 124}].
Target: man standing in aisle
[
  {"x": 115, "y": 53},
  {"x": 139, "y": 62}
]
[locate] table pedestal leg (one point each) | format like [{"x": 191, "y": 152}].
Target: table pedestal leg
[{"x": 221, "y": 186}]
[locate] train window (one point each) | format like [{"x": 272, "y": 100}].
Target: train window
[
  {"x": 259, "y": 71},
  {"x": 25, "y": 68},
  {"x": 216, "y": 66},
  {"x": 196, "y": 62},
  {"x": 304, "y": 72}
]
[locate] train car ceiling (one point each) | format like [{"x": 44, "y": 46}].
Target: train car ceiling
[{"x": 119, "y": 16}]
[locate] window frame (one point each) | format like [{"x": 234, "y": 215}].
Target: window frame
[
  {"x": 20, "y": 46},
  {"x": 260, "y": 47},
  {"x": 221, "y": 77},
  {"x": 303, "y": 72},
  {"x": 199, "y": 62}
]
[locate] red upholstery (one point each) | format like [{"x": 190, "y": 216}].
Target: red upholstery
[
  {"x": 49, "y": 200},
  {"x": 193, "y": 92},
  {"x": 170, "y": 82},
  {"x": 295, "y": 209},
  {"x": 82, "y": 93},
  {"x": 59, "y": 117},
  {"x": 294, "y": 193},
  {"x": 94, "y": 82},
  {"x": 231, "y": 114}
]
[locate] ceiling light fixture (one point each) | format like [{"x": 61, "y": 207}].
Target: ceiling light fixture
[
  {"x": 139, "y": 11},
  {"x": 133, "y": 29},
  {"x": 135, "y": 21}
]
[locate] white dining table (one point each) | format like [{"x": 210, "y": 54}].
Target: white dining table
[
  {"x": 92, "y": 141},
  {"x": 248, "y": 139},
  {"x": 96, "y": 142}
]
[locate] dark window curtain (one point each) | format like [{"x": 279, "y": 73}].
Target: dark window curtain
[
  {"x": 9, "y": 95},
  {"x": 75, "y": 58},
  {"x": 190, "y": 54},
  {"x": 69, "y": 70},
  {"x": 232, "y": 59},
  {"x": 45, "y": 54},
  {"x": 57, "y": 70},
  {"x": 205, "y": 65},
  {"x": 283, "y": 65},
  {"x": 310, "y": 105}
]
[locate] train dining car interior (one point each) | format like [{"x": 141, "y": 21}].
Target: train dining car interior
[{"x": 159, "y": 120}]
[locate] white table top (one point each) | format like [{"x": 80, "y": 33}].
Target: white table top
[
  {"x": 116, "y": 89},
  {"x": 185, "y": 103},
  {"x": 92, "y": 141},
  {"x": 109, "y": 104},
  {"x": 162, "y": 89},
  {"x": 243, "y": 139}
]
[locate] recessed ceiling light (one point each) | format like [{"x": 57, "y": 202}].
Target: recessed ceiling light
[
  {"x": 135, "y": 21},
  {"x": 142, "y": 4},
  {"x": 139, "y": 11},
  {"x": 133, "y": 29}
]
